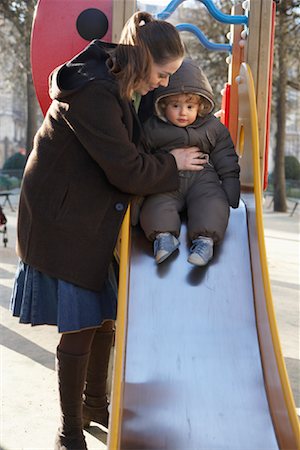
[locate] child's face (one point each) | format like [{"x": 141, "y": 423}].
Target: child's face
[{"x": 182, "y": 110}]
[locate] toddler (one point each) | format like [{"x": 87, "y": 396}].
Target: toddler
[{"x": 183, "y": 118}]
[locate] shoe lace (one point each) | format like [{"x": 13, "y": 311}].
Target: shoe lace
[
  {"x": 162, "y": 242},
  {"x": 201, "y": 246}
]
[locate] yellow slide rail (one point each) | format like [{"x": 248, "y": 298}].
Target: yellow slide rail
[
  {"x": 246, "y": 76},
  {"x": 121, "y": 330}
]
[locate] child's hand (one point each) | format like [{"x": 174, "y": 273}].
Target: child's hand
[
  {"x": 189, "y": 158},
  {"x": 232, "y": 190}
]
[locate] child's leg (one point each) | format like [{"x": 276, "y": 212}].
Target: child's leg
[
  {"x": 207, "y": 208},
  {"x": 160, "y": 213},
  {"x": 208, "y": 214},
  {"x": 160, "y": 221}
]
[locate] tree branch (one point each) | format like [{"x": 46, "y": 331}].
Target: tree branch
[{"x": 294, "y": 84}]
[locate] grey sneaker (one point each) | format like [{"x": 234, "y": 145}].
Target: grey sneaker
[
  {"x": 164, "y": 245},
  {"x": 201, "y": 251}
]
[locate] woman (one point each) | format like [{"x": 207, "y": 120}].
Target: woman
[{"x": 86, "y": 163}]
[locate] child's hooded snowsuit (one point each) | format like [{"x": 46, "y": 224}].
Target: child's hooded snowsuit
[{"x": 207, "y": 194}]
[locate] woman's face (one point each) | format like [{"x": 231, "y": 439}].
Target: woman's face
[{"x": 159, "y": 76}]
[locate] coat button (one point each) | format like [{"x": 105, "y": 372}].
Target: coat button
[{"x": 119, "y": 206}]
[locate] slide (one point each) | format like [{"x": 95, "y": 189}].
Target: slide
[
  {"x": 193, "y": 375},
  {"x": 192, "y": 372},
  {"x": 198, "y": 363}
]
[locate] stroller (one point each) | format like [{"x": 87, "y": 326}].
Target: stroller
[{"x": 3, "y": 222}]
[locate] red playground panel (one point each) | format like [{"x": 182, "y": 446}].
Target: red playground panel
[{"x": 61, "y": 29}]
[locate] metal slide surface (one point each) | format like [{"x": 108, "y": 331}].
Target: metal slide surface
[{"x": 193, "y": 377}]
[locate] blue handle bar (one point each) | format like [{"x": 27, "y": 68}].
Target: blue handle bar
[
  {"x": 204, "y": 41},
  {"x": 217, "y": 14}
]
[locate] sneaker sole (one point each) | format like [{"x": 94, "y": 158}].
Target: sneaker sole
[
  {"x": 163, "y": 258},
  {"x": 197, "y": 260}
]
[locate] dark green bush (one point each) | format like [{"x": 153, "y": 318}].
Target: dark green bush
[
  {"x": 292, "y": 168},
  {"x": 7, "y": 183},
  {"x": 14, "y": 165}
]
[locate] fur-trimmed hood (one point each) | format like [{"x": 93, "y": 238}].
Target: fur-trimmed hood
[{"x": 189, "y": 78}]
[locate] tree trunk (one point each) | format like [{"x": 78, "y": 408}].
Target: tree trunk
[
  {"x": 279, "y": 170},
  {"x": 32, "y": 114},
  {"x": 32, "y": 104}
]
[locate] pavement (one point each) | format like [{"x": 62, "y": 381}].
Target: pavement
[{"x": 28, "y": 385}]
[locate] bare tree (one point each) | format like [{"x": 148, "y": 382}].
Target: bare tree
[
  {"x": 19, "y": 16},
  {"x": 212, "y": 62}
]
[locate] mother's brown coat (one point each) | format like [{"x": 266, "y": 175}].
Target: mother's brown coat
[{"x": 85, "y": 164}]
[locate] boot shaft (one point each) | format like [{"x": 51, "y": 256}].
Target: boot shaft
[
  {"x": 71, "y": 371},
  {"x": 97, "y": 371},
  {"x": 95, "y": 394}
]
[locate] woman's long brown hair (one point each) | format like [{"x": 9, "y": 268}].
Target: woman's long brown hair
[{"x": 144, "y": 40}]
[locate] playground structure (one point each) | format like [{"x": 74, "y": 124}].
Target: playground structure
[{"x": 198, "y": 362}]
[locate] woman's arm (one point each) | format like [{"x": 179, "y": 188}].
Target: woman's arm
[{"x": 96, "y": 118}]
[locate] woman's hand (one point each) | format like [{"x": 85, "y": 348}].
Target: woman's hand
[{"x": 189, "y": 158}]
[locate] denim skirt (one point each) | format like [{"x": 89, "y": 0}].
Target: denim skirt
[{"x": 39, "y": 299}]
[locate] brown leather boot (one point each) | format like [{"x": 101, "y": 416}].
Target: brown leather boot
[
  {"x": 95, "y": 399},
  {"x": 71, "y": 371}
]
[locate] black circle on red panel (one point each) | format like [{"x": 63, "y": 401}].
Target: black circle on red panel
[{"x": 92, "y": 24}]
